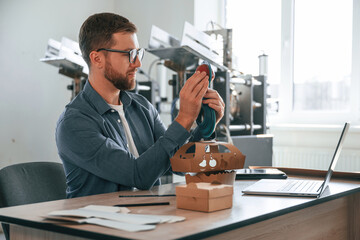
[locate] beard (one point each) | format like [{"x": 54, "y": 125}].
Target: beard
[{"x": 120, "y": 81}]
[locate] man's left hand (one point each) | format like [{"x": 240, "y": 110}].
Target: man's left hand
[{"x": 214, "y": 100}]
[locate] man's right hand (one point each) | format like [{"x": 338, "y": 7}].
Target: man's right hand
[{"x": 191, "y": 96}]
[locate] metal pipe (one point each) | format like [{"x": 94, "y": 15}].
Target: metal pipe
[
  {"x": 239, "y": 127},
  {"x": 263, "y": 64},
  {"x": 239, "y": 81},
  {"x": 257, "y": 127},
  {"x": 256, "y": 82},
  {"x": 256, "y": 105},
  {"x": 244, "y": 127}
]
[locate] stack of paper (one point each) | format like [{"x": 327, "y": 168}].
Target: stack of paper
[{"x": 113, "y": 217}]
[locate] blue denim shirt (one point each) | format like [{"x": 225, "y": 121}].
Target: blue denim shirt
[{"x": 93, "y": 148}]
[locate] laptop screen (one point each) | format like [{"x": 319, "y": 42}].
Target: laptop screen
[{"x": 335, "y": 157}]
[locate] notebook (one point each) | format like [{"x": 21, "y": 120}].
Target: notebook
[{"x": 288, "y": 187}]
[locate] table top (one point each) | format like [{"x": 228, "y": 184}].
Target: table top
[{"x": 246, "y": 210}]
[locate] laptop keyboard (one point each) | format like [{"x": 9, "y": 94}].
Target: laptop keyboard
[{"x": 300, "y": 186}]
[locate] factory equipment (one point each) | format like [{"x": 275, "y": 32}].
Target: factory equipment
[
  {"x": 245, "y": 96},
  {"x": 66, "y": 56}
]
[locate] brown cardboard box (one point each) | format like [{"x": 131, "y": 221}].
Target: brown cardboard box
[
  {"x": 224, "y": 177},
  {"x": 207, "y": 157},
  {"x": 204, "y": 197}
]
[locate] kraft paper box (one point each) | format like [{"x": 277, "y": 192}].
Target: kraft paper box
[
  {"x": 207, "y": 156},
  {"x": 204, "y": 197},
  {"x": 223, "y": 177}
]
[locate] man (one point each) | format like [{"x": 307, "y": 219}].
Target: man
[{"x": 110, "y": 139}]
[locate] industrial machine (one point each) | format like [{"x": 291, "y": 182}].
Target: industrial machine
[
  {"x": 245, "y": 96},
  {"x": 66, "y": 56}
]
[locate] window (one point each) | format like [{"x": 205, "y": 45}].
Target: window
[
  {"x": 322, "y": 55},
  {"x": 256, "y": 26},
  {"x": 314, "y": 55}
]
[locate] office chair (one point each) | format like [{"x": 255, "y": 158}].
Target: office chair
[{"x": 31, "y": 182}]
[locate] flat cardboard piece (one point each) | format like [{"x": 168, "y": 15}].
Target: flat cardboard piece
[
  {"x": 108, "y": 216},
  {"x": 120, "y": 217},
  {"x": 207, "y": 157},
  {"x": 129, "y": 227},
  {"x": 209, "y": 177},
  {"x": 205, "y": 197}
]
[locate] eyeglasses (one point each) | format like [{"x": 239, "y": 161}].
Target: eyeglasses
[{"x": 133, "y": 53}]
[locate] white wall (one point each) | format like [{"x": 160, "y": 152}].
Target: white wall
[
  {"x": 208, "y": 10},
  {"x": 170, "y": 16},
  {"x": 32, "y": 93},
  {"x": 312, "y": 146}
]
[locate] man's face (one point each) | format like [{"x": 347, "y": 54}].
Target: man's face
[{"x": 118, "y": 70}]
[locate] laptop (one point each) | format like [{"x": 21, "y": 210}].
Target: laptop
[{"x": 288, "y": 187}]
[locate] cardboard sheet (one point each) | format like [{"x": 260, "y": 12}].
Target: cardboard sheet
[
  {"x": 120, "y": 217},
  {"x": 107, "y": 208},
  {"x": 113, "y": 217},
  {"x": 106, "y": 223}
]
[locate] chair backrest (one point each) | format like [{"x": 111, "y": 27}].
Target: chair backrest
[{"x": 31, "y": 182}]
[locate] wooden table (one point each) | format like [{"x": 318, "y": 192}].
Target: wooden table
[{"x": 336, "y": 215}]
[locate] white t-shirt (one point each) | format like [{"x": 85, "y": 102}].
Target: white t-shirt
[{"x": 131, "y": 144}]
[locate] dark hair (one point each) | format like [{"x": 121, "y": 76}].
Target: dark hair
[{"x": 96, "y": 32}]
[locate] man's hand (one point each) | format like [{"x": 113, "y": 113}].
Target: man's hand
[
  {"x": 215, "y": 101},
  {"x": 191, "y": 96}
]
